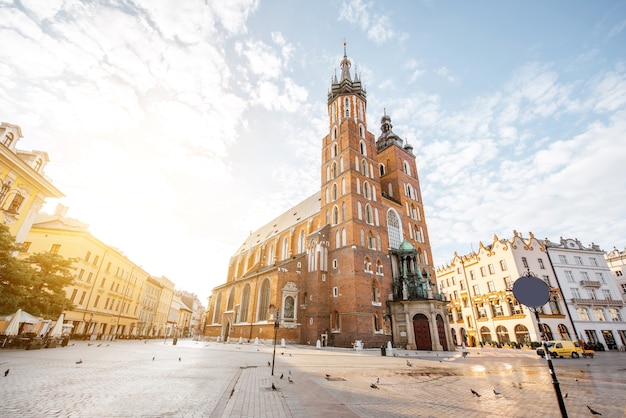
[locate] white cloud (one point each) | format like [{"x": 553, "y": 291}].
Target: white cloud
[
  {"x": 262, "y": 60},
  {"x": 376, "y": 26},
  {"x": 610, "y": 90}
]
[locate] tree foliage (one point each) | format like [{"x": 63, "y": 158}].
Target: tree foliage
[{"x": 35, "y": 284}]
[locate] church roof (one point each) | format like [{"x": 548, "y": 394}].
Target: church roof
[{"x": 297, "y": 214}]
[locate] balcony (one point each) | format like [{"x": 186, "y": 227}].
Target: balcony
[
  {"x": 598, "y": 302},
  {"x": 590, "y": 283}
]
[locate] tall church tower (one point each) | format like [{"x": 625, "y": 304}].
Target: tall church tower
[
  {"x": 349, "y": 264},
  {"x": 352, "y": 207}
]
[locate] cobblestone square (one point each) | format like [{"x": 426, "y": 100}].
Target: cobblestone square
[{"x": 155, "y": 378}]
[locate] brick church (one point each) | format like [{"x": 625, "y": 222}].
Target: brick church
[{"x": 351, "y": 264}]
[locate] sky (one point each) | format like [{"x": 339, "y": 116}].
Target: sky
[{"x": 175, "y": 129}]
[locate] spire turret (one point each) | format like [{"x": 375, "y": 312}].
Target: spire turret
[
  {"x": 345, "y": 65},
  {"x": 346, "y": 85}
]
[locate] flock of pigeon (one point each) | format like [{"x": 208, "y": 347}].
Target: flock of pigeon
[{"x": 410, "y": 364}]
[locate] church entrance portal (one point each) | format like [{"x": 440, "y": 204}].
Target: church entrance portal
[{"x": 421, "y": 329}]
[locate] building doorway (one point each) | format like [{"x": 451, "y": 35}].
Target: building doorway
[{"x": 421, "y": 330}]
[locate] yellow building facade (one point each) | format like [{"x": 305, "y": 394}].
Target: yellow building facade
[
  {"x": 109, "y": 293},
  {"x": 23, "y": 186}
]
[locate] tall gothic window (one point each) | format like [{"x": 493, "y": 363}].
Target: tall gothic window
[
  {"x": 301, "y": 242},
  {"x": 393, "y": 228},
  {"x": 285, "y": 248},
  {"x": 264, "y": 300},
  {"x": 231, "y": 300},
  {"x": 217, "y": 308},
  {"x": 245, "y": 301}
]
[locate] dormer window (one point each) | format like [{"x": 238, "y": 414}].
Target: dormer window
[{"x": 8, "y": 139}]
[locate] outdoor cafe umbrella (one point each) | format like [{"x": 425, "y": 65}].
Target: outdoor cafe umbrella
[
  {"x": 57, "y": 330},
  {"x": 14, "y": 325}
]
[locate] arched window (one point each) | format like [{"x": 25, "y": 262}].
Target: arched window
[
  {"x": 375, "y": 291},
  {"x": 563, "y": 332},
  {"x": 335, "y": 150},
  {"x": 361, "y": 131},
  {"x": 301, "y": 242},
  {"x": 381, "y": 170},
  {"x": 366, "y": 190},
  {"x": 337, "y": 239},
  {"x": 270, "y": 255},
  {"x": 376, "y": 323},
  {"x": 503, "y": 334},
  {"x": 369, "y": 218},
  {"x": 393, "y": 229},
  {"x": 368, "y": 264},
  {"x": 407, "y": 168},
  {"x": 362, "y": 237},
  {"x": 521, "y": 334},
  {"x": 599, "y": 314},
  {"x": 245, "y": 302},
  {"x": 343, "y": 236},
  {"x": 371, "y": 242},
  {"x": 364, "y": 167},
  {"x": 615, "y": 315},
  {"x": 485, "y": 335},
  {"x": 334, "y": 193},
  {"x": 547, "y": 332},
  {"x": 362, "y": 148},
  {"x": 343, "y": 211},
  {"x": 341, "y": 164},
  {"x": 333, "y": 112},
  {"x": 361, "y": 113},
  {"x": 217, "y": 309},
  {"x": 359, "y": 211},
  {"x": 343, "y": 186},
  {"x": 583, "y": 314},
  {"x": 346, "y": 107},
  {"x": 285, "y": 248},
  {"x": 264, "y": 301},
  {"x": 335, "y": 215},
  {"x": 335, "y": 132},
  {"x": 231, "y": 300},
  {"x": 334, "y": 169}
]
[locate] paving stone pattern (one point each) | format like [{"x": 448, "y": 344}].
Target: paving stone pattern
[{"x": 154, "y": 378}]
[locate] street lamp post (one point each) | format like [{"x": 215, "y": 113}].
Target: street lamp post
[
  {"x": 276, "y": 324},
  {"x": 534, "y": 293}
]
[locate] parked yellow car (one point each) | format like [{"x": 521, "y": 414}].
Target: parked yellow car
[{"x": 562, "y": 349}]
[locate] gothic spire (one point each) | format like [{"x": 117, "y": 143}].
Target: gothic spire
[{"x": 345, "y": 65}]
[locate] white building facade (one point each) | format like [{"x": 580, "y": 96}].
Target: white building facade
[
  {"x": 591, "y": 292},
  {"x": 616, "y": 261},
  {"x": 482, "y": 308}
]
